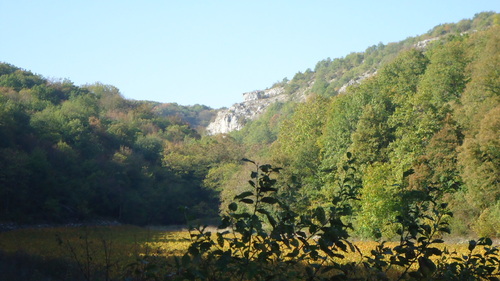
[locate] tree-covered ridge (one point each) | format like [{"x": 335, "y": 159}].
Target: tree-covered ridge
[
  {"x": 331, "y": 76},
  {"x": 198, "y": 116},
  {"x": 73, "y": 153},
  {"x": 435, "y": 112},
  {"x": 422, "y": 110},
  {"x": 82, "y": 153}
]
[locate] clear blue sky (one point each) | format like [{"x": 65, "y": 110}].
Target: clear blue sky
[{"x": 207, "y": 52}]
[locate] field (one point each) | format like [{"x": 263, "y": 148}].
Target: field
[
  {"x": 105, "y": 253},
  {"x": 85, "y": 253}
]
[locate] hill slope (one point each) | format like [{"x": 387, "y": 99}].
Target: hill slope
[
  {"x": 331, "y": 77},
  {"x": 84, "y": 153},
  {"x": 433, "y": 113}
]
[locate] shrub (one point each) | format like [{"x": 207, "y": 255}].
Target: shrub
[{"x": 267, "y": 240}]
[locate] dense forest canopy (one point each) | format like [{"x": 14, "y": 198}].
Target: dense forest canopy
[{"x": 85, "y": 153}]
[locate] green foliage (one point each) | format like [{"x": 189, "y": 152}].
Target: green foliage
[
  {"x": 198, "y": 116},
  {"x": 20, "y": 79},
  {"x": 415, "y": 113},
  {"x": 481, "y": 263},
  {"x": 438, "y": 164},
  {"x": 264, "y": 130},
  {"x": 73, "y": 153},
  {"x": 268, "y": 240},
  {"x": 480, "y": 21},
  {"x": 298, "y": 136},
  {"x": 299, "y": 81},
  {"x": 378, "y": 206},
  {"x": 82, "y": 153},
  {"x": 372, "y": 135},
  {"x": 422, "y": 221}
]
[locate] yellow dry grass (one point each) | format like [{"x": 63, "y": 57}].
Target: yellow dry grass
[
  {"x": 123, "y": 245},
  {"x": 118, "y": 246},
  {"x": 129, "y": 240}
]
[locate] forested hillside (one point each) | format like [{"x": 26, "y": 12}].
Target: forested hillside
[
  {"x": 331, "y": 76},
  {"x": 73, "y": 153},
  {"x": 431, "y": 113}
]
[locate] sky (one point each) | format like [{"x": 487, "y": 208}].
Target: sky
[{"x": 206, "y": 52}]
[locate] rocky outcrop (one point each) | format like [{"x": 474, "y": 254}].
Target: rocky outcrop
[
  {"x": 421, "y": 45},
  {"x": 253, "y": 105},
  {"x": 358, "y": 80}
]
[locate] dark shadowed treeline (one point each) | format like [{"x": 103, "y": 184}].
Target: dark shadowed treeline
[{"x": 73, "y": 153}]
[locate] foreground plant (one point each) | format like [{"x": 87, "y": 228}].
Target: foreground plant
[
  {"x": 421, "y": 224},
  {"x": 262, "y": 238}
]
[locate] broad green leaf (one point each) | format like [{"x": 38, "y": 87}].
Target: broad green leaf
[
  {"x": 269, "y": 200},
  {"x": 233, "y": 207},
  {"x": 247, "y": 160},
  {"x": 243, "y": 195},
  {"x": 247, "y": 200}
]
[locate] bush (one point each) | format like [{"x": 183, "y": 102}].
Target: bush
[{"x": 269, "y": 241}]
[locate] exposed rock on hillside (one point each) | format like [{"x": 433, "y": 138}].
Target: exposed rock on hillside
[
  {"x": 253, "y": 105},
  {"x": 358, "y": 80},
  {"x": 424, "y": 43}
]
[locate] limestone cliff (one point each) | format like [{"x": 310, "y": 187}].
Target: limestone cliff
[{"x": 253, "y": 105}]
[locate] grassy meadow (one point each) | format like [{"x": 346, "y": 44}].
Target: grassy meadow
[
  {"x": 86, "y": 253},
  {"x": 108, "y": 252}
]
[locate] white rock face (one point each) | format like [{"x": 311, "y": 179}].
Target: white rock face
[
  {"x": 423, "y": 44},
  {"x": 358, "y": 80},
  {"x": 254, "y": 104}
]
